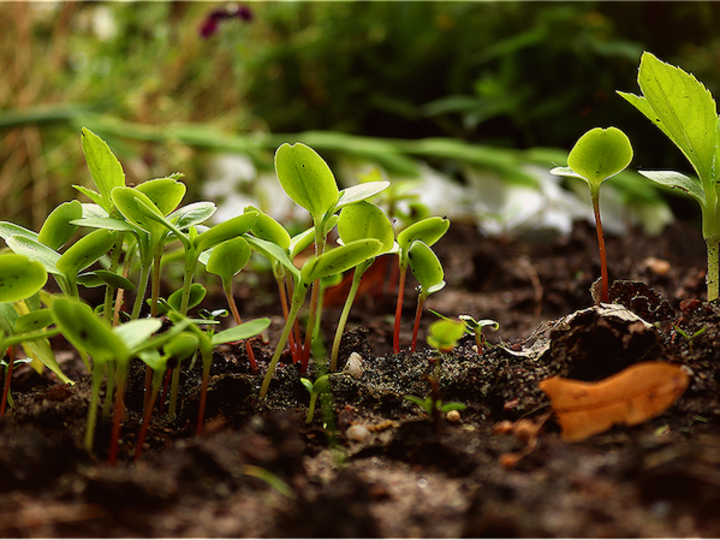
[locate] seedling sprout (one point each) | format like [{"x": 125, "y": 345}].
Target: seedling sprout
[{"x": 598, "y": 155}]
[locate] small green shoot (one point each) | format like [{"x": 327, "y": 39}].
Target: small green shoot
[
  {"x": 321, "y": 386},
  {"x": 685, "y": 111},
  {"x": 598, "y": 155},
  {"x": 474, "y": 328}
]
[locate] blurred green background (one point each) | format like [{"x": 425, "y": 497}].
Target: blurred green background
[{"x": 506, "y": 75}]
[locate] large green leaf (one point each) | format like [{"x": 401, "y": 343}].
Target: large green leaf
[
  {"x": 339, "y": 259},
  {"x": 106, "y": 171},
  {"x": 429, "y": 230},
  {"x": 306, "y": 179},
  {"x": 366, "y": 220},
  {"x": 58, "y": 226},
  {"x": 88, "y": 332},
  {"x": 426, "y": 267},
  {"x": 274, "y": 253},
  {"x": 35, "y": 251},
  {"x": 360, "y": 192},
  {"x": 165, "y": 193},
  {"x": 600, "y": 154},
  {"x": 677, "y": 180},
  {"x": 226, "y": 230},
  {"x": 86, "y": 251},
  {"x": 192, "y": 214},
  {"x": 126, "y": 199},
  {"x": 683, "y": 108},
  {"x": 135, "y": 333},
  {"x": 267, "y": 228},
  {"x": 19, "y": 277},
  {"x": 242, "y": 331},
  {"x": 228, "y": 258}
]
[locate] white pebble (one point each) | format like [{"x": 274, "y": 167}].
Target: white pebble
[
  {"x": 354, "y": 366},
  {"x": 358, "y": 433},
  {"x": 453, "y": 416}
]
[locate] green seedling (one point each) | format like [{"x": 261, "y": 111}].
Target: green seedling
[
  {"x": 429, "y": 231},
  {"x": 175, "y": 350},
  {"x": 428, "y": 270},
  {"x": 321, "y": 386},
  {"x": 598, "y": 155},
  {"x": 226, "y": 260},
  {"x": 21, "y": 278},
  {"x": 9, "y": 365},
  {"x": 442, "y": 336},
  {"x": 110, "y": 349},
  {"x": 685, "y": 111},
  {"x": 474, "y": 328},
  {"x": 307, "y": 179},
  {"x": 690, "y": 338},
  {"x": 332, "y": 262},
  {"x": 358, "y": 221},
  {"x": 209, "y": 340}
]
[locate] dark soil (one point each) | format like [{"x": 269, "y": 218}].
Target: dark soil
[{"x": 406, "y": 475}]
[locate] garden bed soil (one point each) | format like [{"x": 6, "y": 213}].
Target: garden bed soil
[{"x": 402, "y": 474}]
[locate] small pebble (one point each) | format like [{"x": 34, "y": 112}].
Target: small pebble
[
  {"x": 453, "y": 416},
  {"x": 354, "y": 366},
  {"x": 659, "y": 267},
  {"x": 358, "y": 433}
]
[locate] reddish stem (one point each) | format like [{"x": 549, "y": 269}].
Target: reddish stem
[
  {"x": 416, "y": 326},
  {"x": 398, "y": 310},
  {"x": 238, "y": 321},
  {"x": 286, "y": 312},
  {"x": 117, "y": 416},
  {"x": 8, "y": 377},
  {"x": 147, "y": 414},
  {"x": 310, "y": 326},
  {"x": 601, "y": 245},
  {"x": 168, "y": 376}
]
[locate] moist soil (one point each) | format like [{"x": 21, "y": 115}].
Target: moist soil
[{"x": 373, "y": 464}]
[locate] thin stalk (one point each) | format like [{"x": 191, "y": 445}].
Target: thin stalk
[
  {"x": 117, "y": 417},
  {"x": 147, "y": 414},
  {"x": 418, "y": 314},
  {"x": 174, "y": 386},
  {"x": 398, "y": 308},
  {"x": 319, "y": 249},
  {"x": 284, "y": 304},
  {"x": 155, "y": 289},
  {"x": 227, "y": 288},
  {"x": 295, "y": 308},
  {"x": 12, "y": 351},
  {"x": 207, "y": 363},
  {"x": 311, "y": 407},
  {"x": 190, "y": 267},
  {"x": 97, "y": 377},
  {"x": 142, "y": 287},
  {"x": 713, "y": 277},
  {"x": 355, "y": 285},
  {"x": 595, "y": 194}
]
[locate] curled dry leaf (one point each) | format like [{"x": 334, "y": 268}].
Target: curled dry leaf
[{"x": 636, "y": 394}]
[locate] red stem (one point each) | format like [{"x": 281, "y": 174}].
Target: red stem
[
  {"x": 146, "y": 423},
  {"x": 168, "y": 376},
  {"x": 601, "y": 245},
  {"x": 398, "y": 310},
  {"x": 117, "y": 416},
  {"x": 416, "y": 326},
  {"x": 8, "y": 377}
]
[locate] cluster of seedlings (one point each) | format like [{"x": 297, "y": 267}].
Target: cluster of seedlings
[{"x": 121, "y": 240}]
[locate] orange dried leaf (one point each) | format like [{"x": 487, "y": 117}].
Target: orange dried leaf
[{"x": 636, "y": 394}]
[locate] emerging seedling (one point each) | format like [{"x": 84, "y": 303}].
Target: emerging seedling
[
  {"x": 358, "y": 221},
  {"x": 443, "y": 336},
  {"x": 474, "y": 328},
  {"x": 321, "y": 386},
  {"x": 429, "y": 231},
  {"x": 429, "y": 272},
  {"x": 226, "y": 260},
  {"x": 597, "y": 156},
  {"x": 684, "y": 110}
]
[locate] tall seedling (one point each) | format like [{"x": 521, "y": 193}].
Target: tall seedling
[
  {"x": 358, "y": 221},
  {"x": 309, "y": 182},
  {"x": 684, "y": 110},
  {"x": 598, "y": 155},
  {"x": 428, "y": 270},
  {"x": 429, "y": 231}
]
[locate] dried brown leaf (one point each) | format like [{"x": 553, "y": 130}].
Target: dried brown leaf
[{"x": 636, "y": 394}]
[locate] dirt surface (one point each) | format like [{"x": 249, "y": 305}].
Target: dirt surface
[{"x": 371, "y": 464}]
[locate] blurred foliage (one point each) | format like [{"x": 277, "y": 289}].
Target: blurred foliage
[{"x": 512, "y": 74}]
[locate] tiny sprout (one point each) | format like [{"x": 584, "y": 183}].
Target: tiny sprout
[
  {"x": 321, "y": 386},
  {"x": 475, "y": 328},
  {"x": 444, "y": 335},
  {"x": 428, "y": 270},
  {"x": 598, "y": 155}
]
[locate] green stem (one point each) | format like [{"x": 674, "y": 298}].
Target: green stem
[
  {"x": 142, "y": 287},
  {"x": 207, "y": 363},
  {"x": 595, "y": 194},
  {"x": 398, "y": 307},
  {"x": 418, "y": 315},
  {"x": 110, "y": 290},
  {"x": 357, "y": 277},
  {"x": 97, "y": 377},
  {"x": 295, "y": 308},
  {"x": 8, "y": 377},
  {"x": 227, "y": 289},
  {"x": 190, "y": 267},
  {"x": 713, "y": 277},
  {"x": 311, "y": 407}
]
